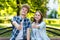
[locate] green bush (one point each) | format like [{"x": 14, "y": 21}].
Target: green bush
[{"x": 1, "y": 21}]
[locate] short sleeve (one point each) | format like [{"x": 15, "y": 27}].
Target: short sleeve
[
  {"x": 42, "y": 25},
  {"x": 13, "y": 19}
]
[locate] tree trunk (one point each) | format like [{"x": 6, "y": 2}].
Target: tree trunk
[{"x": 18, "y": 8}]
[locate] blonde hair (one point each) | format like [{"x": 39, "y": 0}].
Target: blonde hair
[{"x": 26, "y": 6}]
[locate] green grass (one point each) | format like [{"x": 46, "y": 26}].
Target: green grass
[
  {"x": 8, "y": 34},
  {"x": 51, "y": 34},
  {"x": 1, "y": 26}
]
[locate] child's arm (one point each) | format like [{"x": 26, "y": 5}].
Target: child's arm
[
  {"x": 34, "y": 25},
  {"x": 19, "y": 27},
  {"x": 42, "y": 25},
  {"x": 28, "y": 30},
  {"x": 28, "y": 33},
  {"x": 13, "y": 22}
]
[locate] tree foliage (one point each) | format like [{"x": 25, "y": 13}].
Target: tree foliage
[{"x": 9, "y": 7}]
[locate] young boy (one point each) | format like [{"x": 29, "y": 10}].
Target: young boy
[{"x": 21, "y": 25}]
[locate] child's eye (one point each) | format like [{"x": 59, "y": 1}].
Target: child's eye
[
  {"x": 38, "y": 15},
  {"x": 23, "y": 9}
]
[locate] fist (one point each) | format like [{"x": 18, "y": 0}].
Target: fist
[{"x": 14, "y": 22}]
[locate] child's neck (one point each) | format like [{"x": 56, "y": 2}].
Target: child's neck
[
  {"x": 23, "y": 17},
  {"x": 36, "y": 22}
]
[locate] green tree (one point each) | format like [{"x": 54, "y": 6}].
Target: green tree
[{"x": 13, "y": 6}]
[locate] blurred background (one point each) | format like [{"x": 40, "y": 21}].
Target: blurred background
[{"x": 49, "y": 8}]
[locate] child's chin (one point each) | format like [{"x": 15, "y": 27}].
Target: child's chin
[
  {"x": 36, "y": 19},
  {"x": 23, "y": 14}
]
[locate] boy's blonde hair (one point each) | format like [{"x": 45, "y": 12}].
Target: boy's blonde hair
[{"x": 26, "y": 6}]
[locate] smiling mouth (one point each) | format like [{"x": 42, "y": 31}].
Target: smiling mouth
[{"x": 23, "y": 14}]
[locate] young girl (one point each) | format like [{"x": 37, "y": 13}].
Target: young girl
[{"x": 38, "y": 28}]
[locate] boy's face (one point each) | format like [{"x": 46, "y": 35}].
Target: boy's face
[{"x": 24, "y": 11}]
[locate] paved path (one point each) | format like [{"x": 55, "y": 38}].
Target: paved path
[{"x": 8, "y": 38}]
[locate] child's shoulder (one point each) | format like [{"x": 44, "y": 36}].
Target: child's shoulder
[{"x": 42, "y": 22}]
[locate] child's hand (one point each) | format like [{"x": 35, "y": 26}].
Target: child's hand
[
  {"x": 14, "y": 22},
  {"x": 20, "y": 26},
  {"x": 33, "y": 25}
]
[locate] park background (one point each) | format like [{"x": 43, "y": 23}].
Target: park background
[{"x": 49, "y": 8}]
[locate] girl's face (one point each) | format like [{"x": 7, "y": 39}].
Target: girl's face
[{"x": 37, "y": 16}]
